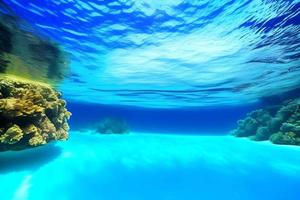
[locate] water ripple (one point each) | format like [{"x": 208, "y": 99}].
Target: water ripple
[{"x": 235, "y": 51}]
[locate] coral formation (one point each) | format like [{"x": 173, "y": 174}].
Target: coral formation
[
  {"x": 280, "y": 124},
  {"x": 31, "y": 114},
  {"x": 112, "y": 126}
]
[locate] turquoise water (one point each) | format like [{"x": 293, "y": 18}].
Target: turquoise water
[
  {"x": 152, "y": 166},
  {"x": 180, "y": 73}
]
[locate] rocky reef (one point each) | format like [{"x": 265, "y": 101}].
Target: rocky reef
[
  {"x": 31, "y": 114},
  {"x": 111, "y": 125},
  {"x": 279, "y": 123}
]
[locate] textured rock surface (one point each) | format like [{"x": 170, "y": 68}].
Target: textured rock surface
[
  {"x": 280, "y": 124},
  {"x": 25, "y": 54},
  {"x": 31, "y": 114}
]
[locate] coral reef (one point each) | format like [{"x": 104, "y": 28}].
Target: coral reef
[
  {"x": 112, "y": 126},
  {"x": 31, "y": 114},
  {"x": 280, "y": 124},
  {"x": 26, "y": 54}
]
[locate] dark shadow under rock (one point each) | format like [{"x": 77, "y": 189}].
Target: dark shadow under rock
[{"x": 28, "y": 160}]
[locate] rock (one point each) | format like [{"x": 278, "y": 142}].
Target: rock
[
  {"x": 288, "y": 138},
  {"x": 262, "y": 134},
  {"x": 112, "y": 126},
  {"x": 274, "y": 124},
  {"x": 280, "y": 124},
  {"x": 247, "y": 127},
  {"x": 29, "y": 55},
  {"x": 13, "y": 135},
  {"x": 31, "y": 114}
]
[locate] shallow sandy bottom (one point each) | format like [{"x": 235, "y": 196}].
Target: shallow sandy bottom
[{"x": 152, "y": 166}]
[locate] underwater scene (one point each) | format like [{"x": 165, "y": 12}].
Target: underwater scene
[{"x": 150, "y": 99}]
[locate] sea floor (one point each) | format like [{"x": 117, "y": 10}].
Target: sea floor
[{"x": 152, "y": 167}]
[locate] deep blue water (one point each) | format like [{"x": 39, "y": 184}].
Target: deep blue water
[
  {"x": 209, "y": 120},
  {"x": 180, "y": 73}
]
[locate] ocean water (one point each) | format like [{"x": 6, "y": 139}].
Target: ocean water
[
  {"x": 181, "y": 73},
  {"x": 178, "y": 52}
]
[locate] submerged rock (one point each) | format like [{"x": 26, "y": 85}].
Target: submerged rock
[
  {"x": 31, "y": 114},
  {"x": 112, "y": 126},
  {"x": 29, "y": 55},
  {"x": 279, "y": 124}
]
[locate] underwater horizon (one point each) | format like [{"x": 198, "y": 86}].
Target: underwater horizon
[{"x": 150, "y": 99}]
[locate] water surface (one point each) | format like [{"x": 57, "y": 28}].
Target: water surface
[{"x": 179, "y": 52}]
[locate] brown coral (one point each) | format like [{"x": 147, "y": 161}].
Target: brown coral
[{"x": 31, "y": 114}]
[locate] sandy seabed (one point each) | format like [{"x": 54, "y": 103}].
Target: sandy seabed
[{"x": 151, "y": 166}]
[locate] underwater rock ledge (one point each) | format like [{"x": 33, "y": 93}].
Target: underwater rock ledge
[
  {"x": 27, "y": 54},
  {"x": 280, "y": 124},
  {"x": 31, "y": 114}
]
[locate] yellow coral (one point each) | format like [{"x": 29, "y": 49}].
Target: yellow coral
[
  {"x": 37, "y": 140},
  {"x": 12, "y": 135},
  {"x": 35, "y": 109},
  {"x": 31, "y": 129}
]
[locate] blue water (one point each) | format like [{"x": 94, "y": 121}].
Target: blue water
[
  {"x": 181, "y": 73},
  {"x": 213, "y": 120},
  {"x": 179, "y": 52}
]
